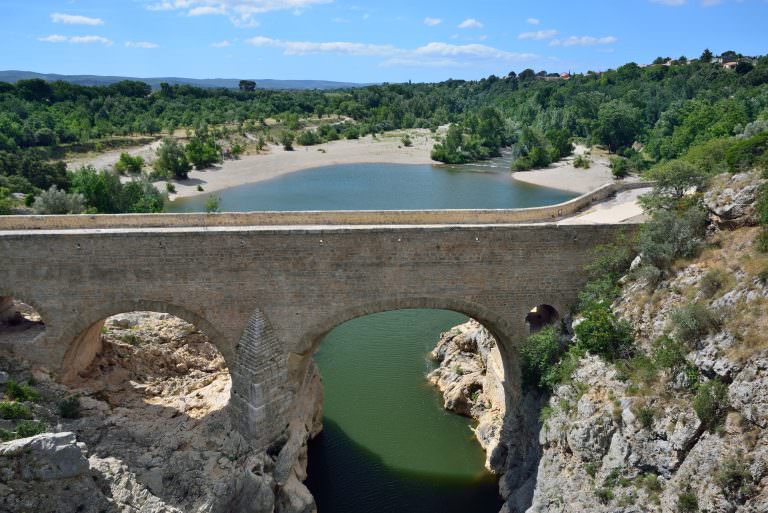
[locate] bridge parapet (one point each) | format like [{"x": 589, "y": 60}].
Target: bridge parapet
[{"x": 320, "y": 218}]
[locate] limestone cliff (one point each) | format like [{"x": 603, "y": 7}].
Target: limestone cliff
[
  {"x": 152, "y": 434},
  {"x": 679, "y": 428}
]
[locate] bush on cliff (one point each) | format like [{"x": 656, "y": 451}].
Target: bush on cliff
[
  {"x": 603, "y": 334},
  {"x": 540, "y": 353}
]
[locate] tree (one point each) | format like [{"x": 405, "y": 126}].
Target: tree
[
  {"x": 57, "y": 202},
  {"x": 129, "y": 164},
  {"x": 744, "y": 67},
  {"x": 101, "y": 190},
  {"x": 286, "y": 139},
  {"x": 618, "y": 124},
  {"x": 706, "y": 56},
  {"x": 247, "y": 85},
  {"x": 172, "y": 160},
  {"x": 203, "y": 150},
  {"x": 673, "y": 179}
]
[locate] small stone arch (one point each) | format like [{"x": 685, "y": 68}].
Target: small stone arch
[
  {"x": 541, "y": 316},
  {"x": 18, "y": 315}
]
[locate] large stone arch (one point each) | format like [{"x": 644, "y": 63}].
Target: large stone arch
[{"x": 269, "y": 376}]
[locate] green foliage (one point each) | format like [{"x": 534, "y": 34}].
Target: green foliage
[
  {"x": 604, "y": 495},
  {"x": 309, "y": 138},
  {"x": 56, "y": 202},
  {"x": 590, "y": 469},
  {"x": 406, "y": 140},
  {"x": 645, "y": 415},
  {"x": 540, "y": 353},
  {"x": 69, "y": 407},
  {"x": 673, "y": 179},
  {"x": 711, "y": 403},
  {"x": 172, "y": 160},
  {"x": 670, "y": 236},
  {"x": 687, "y": 502},
  {"x": 170, "y": 188},
  {"x": 12, "y": 410},
  {"x": 202, "y": 150},
  {"x": 691, "y": 322},
  {"x": 129, "y": 165},
  {"x": 106, "y": 194},
  {"x": 20, "y": 392},
  {"x": 745, "y": 154},
  {"x": 212, "y": 204},
  {"x": 480, "y": 137},
  {"x": 618, "y": 125},
  {"x": 582, "y": 162},
  {"x": 620, "y": 167},
  {"x": 713, "y": 282},
  {"x": 563, "y": 370},
  {"x": 286, "y": 139},
  {"x": 669, "y": 354},
  {"x": 27, "y": 428},
  {"x": 735, "y": 479},
  {"x": 603, "y": 334}
]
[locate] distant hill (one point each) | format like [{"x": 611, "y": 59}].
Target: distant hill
[{"x": 229, "y": 83}]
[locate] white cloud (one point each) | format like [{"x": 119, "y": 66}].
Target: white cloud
[
  {"x": 71, "y": 19},
  {"x": 221, "y": 44},
  {"x": 431, "y": 22},
  {"x": 584, "y": 41},
  {"x": 141, "y": 44},
  {"x": 56, "y": 38},
  {"x": 433, "y": 54},
  {"x": 533, "y": 21},
  {"x": 240, "y": 12},
  {"x": 538, "y": 35},
  {"x": 470, "y": 23}
]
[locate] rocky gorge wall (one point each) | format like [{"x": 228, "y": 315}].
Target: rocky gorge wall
[
  {"x": 682, "y": 427},
  {"x": 152, "y": 433}
]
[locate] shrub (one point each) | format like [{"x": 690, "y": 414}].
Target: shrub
[
  {"x": 604, "y": 495},
  {"x": 27, "y": 428},
  {"x": 172, "y": 160},
  {"x": 712, "y": 282},
  {"x": 619, "y": 167},
  {"x": 761, "y": 241},
  {"x": 582, "y": 161},
  {"x": 669, "y": 354},
  {"x": 687, "y": 502},
  {"x": 735, "y": 479},
  {"x": 286, "y": 139},
  {"x": 202, "y": 150},
  {"x": 711, "y": 403},
  {"x": 199, "y": 188},
  {"x": 20, "y": 392},
  {"x": 540, "y": 352},
  {"x": 170, "y": 188},
  {"x": 128, "y": 164},
  {"x": 56, "y": 202},
  {"x": 131, "y": 339},
  {"x": 563, "y": 371},
  {"x": 212, "y": 204},
  {"x": 645, "y": 415},
  {"x": 603, "y": 334},
  {"x": 406, "y": 140},
  {"x": 692, "y": 322},
  {"x": 671, "y": 235},
  {"x": 673, "y": 179},
  {"x": 13, "y": 410},
  {"x": 309, "y": 138},
  {"x": 69, "y": 407},
  {"x": 745, "y": 154}
]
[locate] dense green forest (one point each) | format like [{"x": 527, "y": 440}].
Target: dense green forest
[{"x": 690, "y": 109}]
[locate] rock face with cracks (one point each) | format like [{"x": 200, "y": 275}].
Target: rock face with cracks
[{"x": 153, "y": 434}]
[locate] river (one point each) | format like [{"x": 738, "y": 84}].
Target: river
[{"x": 388, "y": 446}]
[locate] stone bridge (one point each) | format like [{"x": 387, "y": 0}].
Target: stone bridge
[{"x": 266, "y": 288}]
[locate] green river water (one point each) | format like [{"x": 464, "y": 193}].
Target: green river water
[{"x": 388, "y": 446}]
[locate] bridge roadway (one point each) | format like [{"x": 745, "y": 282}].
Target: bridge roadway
[{"x": 267, "y": 293}]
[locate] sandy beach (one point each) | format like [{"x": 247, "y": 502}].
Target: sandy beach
[{"x": 563, "y": 175}]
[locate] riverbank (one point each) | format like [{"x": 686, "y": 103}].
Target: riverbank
[{"x": 565, "y": 176}]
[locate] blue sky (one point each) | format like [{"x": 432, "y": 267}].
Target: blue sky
[{"x": 364, "y": 40}]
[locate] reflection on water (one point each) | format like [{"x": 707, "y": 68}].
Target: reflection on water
[
  {"x": 388, "y": 445},
  {"x": 383, "y": 187}
]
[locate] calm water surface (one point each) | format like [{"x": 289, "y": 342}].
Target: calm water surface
[
  {"x": 382, "y": 187},
  {"x": 388, "y": 446}
]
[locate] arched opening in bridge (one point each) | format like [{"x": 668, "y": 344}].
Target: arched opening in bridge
[
  {"x": 19, "y": 321},
  {"x": 154, "y": 399},
  {"x": 540, "y": 317},
  {"x": 389, "y": 440}
]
